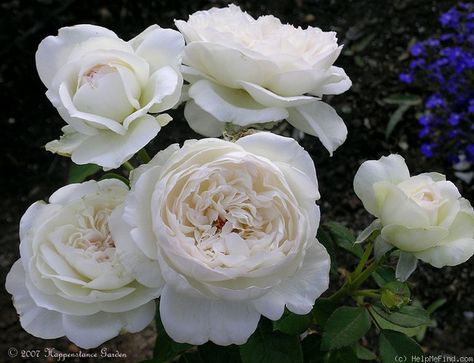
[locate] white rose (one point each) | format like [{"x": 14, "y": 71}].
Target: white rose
[
  {"x": 245, "y": 71},
  {"x": 105, "y": 88},
  {"x": 68, "y": 280},
  {"x": 423, "y": 215},
  {"x": 228, "y": 230}
]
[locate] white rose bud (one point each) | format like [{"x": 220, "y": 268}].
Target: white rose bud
[
  {"x": 246, "y": 71},
  {"x": 424, "y": 215},
  {"x": 105, "y": 89},
  {"x": 68, "y": 280},
  {"x": 228, "y": 230}
]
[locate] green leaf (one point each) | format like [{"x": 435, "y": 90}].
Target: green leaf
[
  {"x": 394, "y": 345},
  {"x": 322, "y": 309},
  {"x": 344, "y": 238},
  {"x": 116, "y": 176},
  {"x": 325, "y": 238},
  {"x": 346, "y": 355},
  {"x": 213, "y": 353},
  {"x": 345, "y": 326},
  {"x": 405, "y": 99},
  {"x": 166, "y": 348},
  {"x": 407, "y": 316},
  {"x": 383, "y": 275},
  {"x": 363, "y": 353},
  {"x": 79, "y": 173},
  {"x": 385, "y": 324},
  {"x": 292, "y": 324},
  {"x": 395, "y": 119},
  {"x": 436, "y": 305},
  {"x": 270, "y": 348},
  {"x": 311, "y": 351},
  {"x": 395, "y": 294}
]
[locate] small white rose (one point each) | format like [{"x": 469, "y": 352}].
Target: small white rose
[
  {"x": 246, "y": 71},
  {"x": 423, "y": 215},
  {"x": 228, "y": 230},
  {"x": 68, "y": 280},
  {"x": 105, "y": 89}
]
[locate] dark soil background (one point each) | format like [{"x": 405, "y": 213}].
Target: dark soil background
[{"x": 376, "y": 35}]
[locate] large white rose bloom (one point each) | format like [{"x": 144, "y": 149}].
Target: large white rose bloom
[
  {"x": 105, "y": 88},
  {"x": 423, "y": 215},
  {"x": 246, "y": 71},
  {"x": 228, "y": 230},
  {"x": 69, "y": 280}
]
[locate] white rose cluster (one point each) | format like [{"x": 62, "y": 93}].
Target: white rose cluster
[
  {"x": 227, "y": 230},
  {"x": 245, "y": 71},
  {"x": 69, "y": 280},
  {"x": 422, "y": 215},
  {"x": 105, "y": 89}
]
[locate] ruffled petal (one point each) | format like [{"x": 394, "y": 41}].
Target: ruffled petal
[{"x": 320, "y": 120}]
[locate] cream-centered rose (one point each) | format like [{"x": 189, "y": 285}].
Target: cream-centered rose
[
  {"x": 105, "y": 89},
  {"x": 245, "y": 71},
  {"x": 69, "y": 280},
  {"x": 422, "y": 215},
  {"x": 228, "y": 230}
]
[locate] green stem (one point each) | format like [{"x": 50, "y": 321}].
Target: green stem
[
  {"x": 358, "y": 276},
  {"x": 363, "y": 259},
  {"x": 367, "y": 292},
  {"x": 143, "y": 155},
  {"x": 127, "y": 165}
]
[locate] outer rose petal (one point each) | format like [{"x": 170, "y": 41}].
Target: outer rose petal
[
  {"x": 93, "y": 330},
  {"x": 111, "y": 150},
  {"x": 320, "y": 120},
  {"x": 226, "y": 65},
  {"x": 286, "y": 153},
  {"x": 40, "y": 322},
  {"x": 270, "y": 99},
  {"x": 413, "y": 239},
  {"x": 338, "y": 83},
  {"x": 450, "y": 254},
  {"x": 53, "y": 51},
  {"x": 232, "y": 105},
  {"x": 390, "y": 168},
  {"x": 300, "y": 291},
  {"x": 160, "y": 47},
  {"x": 196, "y": 320},
  {"x": 144, "y": 270},
  {"x": 201, "y": 121}
]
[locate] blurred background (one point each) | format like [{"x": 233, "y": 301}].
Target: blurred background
[{"x": 380, "y": 40}]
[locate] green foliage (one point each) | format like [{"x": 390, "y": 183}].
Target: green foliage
[
  {"x": 395, "y": 294},
  {"x": 267, "y": 347},
  {"x": 363, "y": 353},
  {"x": 383, "y": 275},
  {"x": 212, "y": 353},
  {"x": 79, "y": 173},
  {"x": 292, "y": 324},
  {"x": 323, "y": 308},
  {"x": 393, "y": 345},
  {"x": 345, "y": 326},
  {"x": 406, "y": 316}
]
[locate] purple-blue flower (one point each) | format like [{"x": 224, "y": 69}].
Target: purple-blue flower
[
  {"x": 427, "y": 149},
  {"x": 417, "y": 49},
  {"x": 406, "y": 78},
  {"x": 435, "y": 100}
]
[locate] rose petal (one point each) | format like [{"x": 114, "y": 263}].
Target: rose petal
[
  {"x": 390, "y": 168},
  {"x": 321, "y": 120},
  {"x": 195, "y": 320},
  {"x": 231, "y": 105}
]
